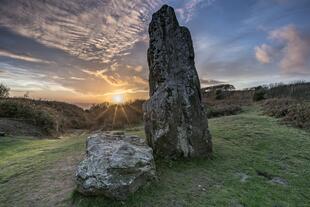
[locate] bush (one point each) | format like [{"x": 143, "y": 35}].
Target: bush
[
  {"x": 259, "y": 93},
  {"x": 219, "y": 94},
  {"x": 293, "y": 112},
  {"x": 51, "y": 117},
  {"x": 297, "y": 90},
  {"x": 223, "y": 110},
  {"x": 30, "y": 114},
  {"x": 4, "y": 91}
]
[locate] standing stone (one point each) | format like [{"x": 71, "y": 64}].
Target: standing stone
[{"x": 176, "y": 122}]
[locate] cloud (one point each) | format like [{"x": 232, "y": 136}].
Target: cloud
[
  {"x": 77, "y": 78},
  {"x": 28, "y": 81},
  {"x": 188, "y": 10},
  {"x": 139, "y": 80},
  {"x": 210, "y": 82},
  {"x": 126, "y": 91},
  {"x": 113, "y": 80},
  {"x": 22, "y": 57},
  {"x": 263, "y": 53},
  {"x": 138, "y": 68},
  {"x": 289, "y": 48},
  {"x": 295, "y": 51},
  {"x": 56, "y": 77},
  {"x": 90, "y": 30}
]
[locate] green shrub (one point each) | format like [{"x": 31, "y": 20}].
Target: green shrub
[
  {"x": 30, "y": 114},
  {"x": 4, "y": 91},
  {"x": 223, "y": 110},
  {"x": 219, "y": 94},
  {"x": 259, "y": 93}
]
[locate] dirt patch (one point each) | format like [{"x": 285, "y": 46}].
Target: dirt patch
[{"x": 56, "y": 184}]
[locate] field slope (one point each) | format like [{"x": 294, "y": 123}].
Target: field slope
[{"x": 257, "y": 162}]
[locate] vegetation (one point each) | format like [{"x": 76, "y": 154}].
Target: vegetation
[
  {"x": 296, "y": 90},
  {"x": 291, "y": 111},
  {"x": 50, "y": 116},
  {"x": 20, "y": 110},
  {"x": 257, "y": 162},
  {"x": 259, "y": 93},
  {"x": 223, "y": 110},
  {"x": 116, "y": 116},
  {"x": 53, "y": 117},
  {"x": 4, "y": 91}
]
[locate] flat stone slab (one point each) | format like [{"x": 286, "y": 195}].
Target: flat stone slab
[{"x": 115, "y": 166}]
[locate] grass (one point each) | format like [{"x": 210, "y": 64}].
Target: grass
[
  {"x": 29, "y": 167},
  {"x": 250, "y": 150}
]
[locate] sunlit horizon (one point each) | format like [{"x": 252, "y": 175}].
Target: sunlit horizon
[{"x": 77, "y": 53}]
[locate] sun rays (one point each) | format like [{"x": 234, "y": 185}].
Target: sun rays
[{"x": 118, "y": 113}]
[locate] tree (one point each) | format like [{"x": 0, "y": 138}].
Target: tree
[
  {"x": 260, "y": 93},
  {"x": 4, "y": 91}
]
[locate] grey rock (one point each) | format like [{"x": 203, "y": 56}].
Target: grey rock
[
  {"x": 279, "y": 181},
  {"x": 243, "y": 177},
  {"x": 115, "y": 165},
  {"x": 176, "y": 122}
]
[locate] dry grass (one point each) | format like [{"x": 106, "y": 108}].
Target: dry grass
[{"x": 293, "y": 112}]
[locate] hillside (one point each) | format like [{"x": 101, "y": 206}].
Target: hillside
[
  {"x": 43, "y": 117},
  {"x": 256, "y": 160}
]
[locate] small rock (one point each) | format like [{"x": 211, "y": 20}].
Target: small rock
[
  {"x": 2, "y": 134},
  {"x": 279, "y": 181},
  {"x": 243, "y": 177},
  {"x": 115, "y": 166}
]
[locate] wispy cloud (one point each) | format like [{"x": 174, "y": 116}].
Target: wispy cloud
[
  {"x": 126, "y": 91},
  {"x": 208, "y": 82},
  {"x": 77, "y": 78},
  {"x": 139, "y": 80},
  {"x": 188, "y": 10},
  {"x": 22, "y": 57},
  {"x": 91, "y": 30},
  {"x": 113, "y": 80},
  {"x": 28, "y": 81},
  {"x": 138, "y": 68}
]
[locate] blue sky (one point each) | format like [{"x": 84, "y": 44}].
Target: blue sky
[{"x": 86, "y": 51}]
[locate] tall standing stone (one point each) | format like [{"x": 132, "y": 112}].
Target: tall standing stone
[{"x": 176, "y": 123}]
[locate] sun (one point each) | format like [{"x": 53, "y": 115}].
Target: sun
[{"x": 118, "y": 98}]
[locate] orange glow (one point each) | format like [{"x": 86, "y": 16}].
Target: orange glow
[{"x": 118, "y": 98}]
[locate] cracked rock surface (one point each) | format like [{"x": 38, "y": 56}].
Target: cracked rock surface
[
  {"x": 115, "y": 165},
  {"x": 176, "y": 122}
]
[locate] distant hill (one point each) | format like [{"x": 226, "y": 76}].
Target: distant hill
[
  {"x": 39, "y": 117},
  {"x": 23, "y": 116}
]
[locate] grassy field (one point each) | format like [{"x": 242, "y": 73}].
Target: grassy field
[{"x": 257, "y": 162}]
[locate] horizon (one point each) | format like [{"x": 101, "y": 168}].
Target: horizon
[{"x": 95, "y": 51}]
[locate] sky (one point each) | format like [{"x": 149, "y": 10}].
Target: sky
[{"x": 87, "y": 51}]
